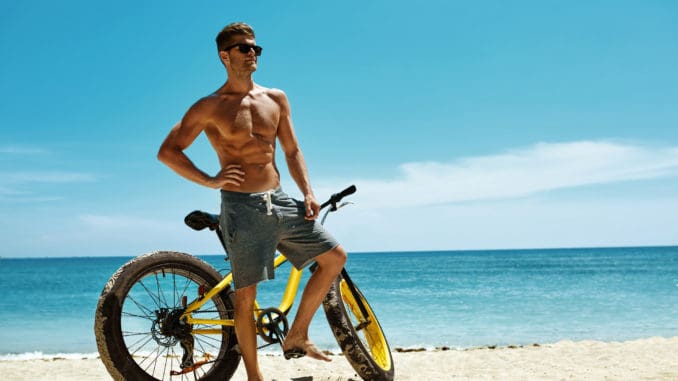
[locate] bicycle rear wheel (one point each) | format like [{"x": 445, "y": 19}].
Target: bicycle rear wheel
[
  {"x": 359, "y": 334},
  {"x": 139, "y": 334}
]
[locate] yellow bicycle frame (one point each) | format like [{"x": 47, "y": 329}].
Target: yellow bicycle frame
[{"x": 285, "y": 304}]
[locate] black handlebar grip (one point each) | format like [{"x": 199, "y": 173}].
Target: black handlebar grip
[
  {"x": 348, "y": 191},
  {"x": 338, "y": 196}
]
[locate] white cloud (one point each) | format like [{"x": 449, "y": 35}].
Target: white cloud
[
  {"x": 118, "y": 222},
  {"x": 46, "y": 177},
  {"x": 492, "y": 201},
  {"x": 12, "y": 184},
  {"x": 104, "y": 234},
  {"x": 470, "y": 203},
  {"x": 506, "y": 224},
  {"x": 4, "y": 191},
  {"x": 22, "y": 150},
  {"x": 517, "y": 173},
  {"x": 99, "y": 234}
]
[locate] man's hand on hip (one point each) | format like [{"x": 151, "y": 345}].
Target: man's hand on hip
[{"x": 230, "y": 175}]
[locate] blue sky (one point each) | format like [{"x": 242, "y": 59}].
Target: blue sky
[{"x": 464, "y": 125}]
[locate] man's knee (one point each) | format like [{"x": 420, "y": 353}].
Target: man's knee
[
  {"x": 340, "y": 255},
  {"x": 335, "y": 258}
]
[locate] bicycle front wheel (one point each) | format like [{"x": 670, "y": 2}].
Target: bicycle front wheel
[
  {"x": 358, "y": 332},
  {"x": 138, "y": 331}
]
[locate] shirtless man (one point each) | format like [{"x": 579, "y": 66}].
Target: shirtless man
[{"x": 242, "y": 121}]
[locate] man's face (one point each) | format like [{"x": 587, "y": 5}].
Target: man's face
[{"x": 239, "y": 60}]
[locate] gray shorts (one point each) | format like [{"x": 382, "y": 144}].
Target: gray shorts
[{"x": 256, "y": 224}]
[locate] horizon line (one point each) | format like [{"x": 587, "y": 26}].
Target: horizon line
[{"x": 387, "y": 252}]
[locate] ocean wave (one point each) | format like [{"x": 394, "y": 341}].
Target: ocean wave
[{"x": 47, "y": 356}]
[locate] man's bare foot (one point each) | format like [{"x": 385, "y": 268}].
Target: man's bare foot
[{"x": 304, "y": 348}]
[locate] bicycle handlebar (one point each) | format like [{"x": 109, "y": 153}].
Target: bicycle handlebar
[{"x": 336, "y": 198}]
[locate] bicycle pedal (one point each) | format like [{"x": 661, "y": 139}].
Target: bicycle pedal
[{"x": 188, "y": 368}]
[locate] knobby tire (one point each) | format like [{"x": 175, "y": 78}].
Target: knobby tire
[
  {"x": 365, "y": 348},
  {"x": 130, "y": 343}
]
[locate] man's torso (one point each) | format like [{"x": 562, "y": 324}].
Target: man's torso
[{"x": 243, "y": 129}]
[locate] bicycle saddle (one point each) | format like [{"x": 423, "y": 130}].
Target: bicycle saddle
[{"x": 198, "y": 220}]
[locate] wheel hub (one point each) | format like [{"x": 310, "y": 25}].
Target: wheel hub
[{"x": 168, "y": 328}]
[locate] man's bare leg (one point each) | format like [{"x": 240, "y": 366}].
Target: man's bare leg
[
  {"x": 246, "y": 331},
  {"x": 329, "y": 266}
]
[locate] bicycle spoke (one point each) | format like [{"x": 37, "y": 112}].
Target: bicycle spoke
[
  {"x": 155, "y": 300},
  {"x": 139, "y": 344},
  {"x": 174, "y": 288},
  {"x": 167, "y": 357},
  {"x": 149, "y": 313},
  {"x": 164, "y": 366},
  {"x": 155, "y": 363},
  {"x": 202, "y": 347},
  {"x": 207, "y": 338},
  {"x": 134, "y": 351},
  {"x": 146, "y": 317},
  {"x": 157, "y": 349},
  {"x": 164, "y": 363},
  {"x": 161, "y": 293},
  {"x": 188, "y": 283}
]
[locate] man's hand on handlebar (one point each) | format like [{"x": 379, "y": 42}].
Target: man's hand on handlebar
[{"x": 312, "y": 207}]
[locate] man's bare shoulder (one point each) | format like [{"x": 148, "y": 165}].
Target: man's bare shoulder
[
  {"x": 205, "y": 105},
  {"x": 273, "y": 92},
  {"x": 208, "y": 101},
  {"x": 278, "y": 96}
]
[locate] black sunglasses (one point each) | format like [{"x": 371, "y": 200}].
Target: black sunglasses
[{"x": 245, "y": 48}]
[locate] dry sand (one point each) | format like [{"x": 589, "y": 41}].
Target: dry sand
[{"x": 645, "y": 359}]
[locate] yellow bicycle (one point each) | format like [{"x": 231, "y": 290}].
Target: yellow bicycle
[{"x": 169, "y": 315}]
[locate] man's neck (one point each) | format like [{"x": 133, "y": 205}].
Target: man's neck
[{"x": 239, "y": 82}]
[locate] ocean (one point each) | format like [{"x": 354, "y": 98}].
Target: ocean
[{"x": 456, "y": 299}]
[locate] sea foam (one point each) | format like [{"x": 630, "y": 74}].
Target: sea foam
[{"x": 47, "y": 356}]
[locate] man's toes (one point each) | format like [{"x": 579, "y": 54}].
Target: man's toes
[{"x": 313, "y": 352}]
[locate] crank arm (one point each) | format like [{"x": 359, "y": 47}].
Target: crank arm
[{"x": 189, "y": 368}]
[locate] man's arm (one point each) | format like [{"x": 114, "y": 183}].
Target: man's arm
[
  {"x": 295, "y": 159},
  {"x": 182, "y": 135}
]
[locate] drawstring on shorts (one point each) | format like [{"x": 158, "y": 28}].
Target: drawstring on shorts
[{"x": 267, "y": 198}]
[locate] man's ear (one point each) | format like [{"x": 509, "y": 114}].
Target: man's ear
[{"x": 224, "y": 57}]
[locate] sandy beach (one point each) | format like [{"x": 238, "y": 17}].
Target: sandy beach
[{"x": 644, "y": 359}]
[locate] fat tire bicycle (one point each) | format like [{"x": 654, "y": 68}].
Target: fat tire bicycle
[{"x": 169, "y": 315}]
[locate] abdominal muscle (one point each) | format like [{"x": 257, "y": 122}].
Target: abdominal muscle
[
  {"x": 261, "y": 173},
  {"x": 258, "y": 178}
]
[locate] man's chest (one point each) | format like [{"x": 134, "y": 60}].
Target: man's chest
[{"x": 248, "y": 116}]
